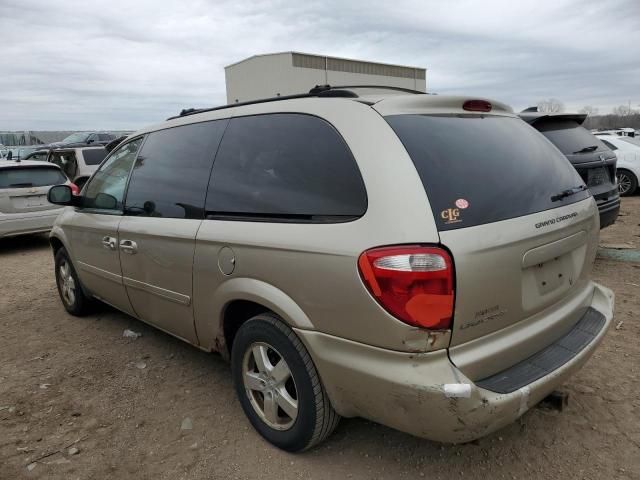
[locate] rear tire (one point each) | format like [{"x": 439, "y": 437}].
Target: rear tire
[
  {"x": 627, "y": 182},
  {"x": 285, "y": 402},
  {"x": 69, "y": 287}
]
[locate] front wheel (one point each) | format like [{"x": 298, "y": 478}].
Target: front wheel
[
  {"x": 278, "y": 385},
  {"x": 627, "y": 182}
]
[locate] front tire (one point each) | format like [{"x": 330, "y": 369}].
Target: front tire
[
  {"x": 69, "y": 289},
  {"x": 627, "y": 182},
  {"x": 278, "y": 385}
]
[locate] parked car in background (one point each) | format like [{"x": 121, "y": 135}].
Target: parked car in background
[
  {"x": 24, "y": 186},
  {"x": 592, "y": 159},
  {"x": 627, "y": 149},
  {"x": 22, "y": 153},
  {"x": 77, "y": 163},
  {"x": 39, "y": 155},
  {"x": 83, "y": 139},
  {"x": 443, "y": 293}
]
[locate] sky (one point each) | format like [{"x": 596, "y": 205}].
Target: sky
[{"x": 115, "y": 64}]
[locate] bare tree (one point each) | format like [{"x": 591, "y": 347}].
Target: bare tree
[
  {"x": 623, "y": 111},
  {"x": 550, "y": 105},
  {"x": 589, "y": 110}
]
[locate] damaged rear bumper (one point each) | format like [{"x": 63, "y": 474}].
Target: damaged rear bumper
[{"x": 424, "y": 394}]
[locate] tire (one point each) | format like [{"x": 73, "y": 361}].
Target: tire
[
  {"x": 293, "y": 430},
  {"x": 69, "y": 287},
  {"x": 627, "y": 182}
]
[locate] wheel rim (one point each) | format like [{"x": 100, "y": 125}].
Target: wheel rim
[
  {"x": 624, "y": 183},
  {"x": 67, "y": 283},
  {"x": 269, "y": 385}
]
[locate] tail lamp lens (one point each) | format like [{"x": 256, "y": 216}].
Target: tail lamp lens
[
  {"x": 74, "y": 189},
  {"x": 413, "y": 283}
]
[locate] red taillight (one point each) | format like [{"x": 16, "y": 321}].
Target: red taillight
[
  {"x": 74, "y": 189},
  {"x": 413, "y": 283},
  {"x": 477, "y": 106}
]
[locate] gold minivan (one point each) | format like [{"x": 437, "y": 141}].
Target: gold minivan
[{"x": 421, "y": 261}]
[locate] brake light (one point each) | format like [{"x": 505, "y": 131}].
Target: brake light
[
  {"x": 74, "y": 188},
  {"x": 477, "y": 106},
  {"x": 413, "y": 283}
]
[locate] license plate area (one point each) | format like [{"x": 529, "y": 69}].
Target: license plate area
[
  {"x": 545, "y": 282},
  {"x": 29, "y": 201},
  {"x": 553, "y": 274},
  {"x": 597, "y": 176}
]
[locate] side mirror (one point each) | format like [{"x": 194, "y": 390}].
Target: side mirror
[
  {"x": 61, "y": 195},
  {"x": 104, "y": 201}
]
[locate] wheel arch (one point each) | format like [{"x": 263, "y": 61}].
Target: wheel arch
[{"x": 244, "y": 298}]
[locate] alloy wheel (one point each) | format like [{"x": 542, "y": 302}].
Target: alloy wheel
[
  {"x": 270, "y": 386},
  {"x": 67, "y": 283},
  {"x": 624, "y": 183}
]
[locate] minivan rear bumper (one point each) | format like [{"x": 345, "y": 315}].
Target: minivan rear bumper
[{"x": 424, "y": 394}]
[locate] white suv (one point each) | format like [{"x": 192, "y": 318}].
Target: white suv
[
  {"x": 78, "y": 163},
  {"x": 23, "y": 197}
]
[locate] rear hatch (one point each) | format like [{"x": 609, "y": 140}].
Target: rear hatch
[
  {"x": 521, "y": 247},
  {"x": 24, "y": 188},
  {"x": 594, "y": 161}
]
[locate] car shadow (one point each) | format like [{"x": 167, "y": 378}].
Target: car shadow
[{"x": 23, "y": 243}]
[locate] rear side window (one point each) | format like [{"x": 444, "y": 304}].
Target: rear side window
[
  {"x": 171, "y": 173},
  {"x": 478, "y": 170},
  {"x": 94, "y": 156},
  {"x": 570, "y": 137},
  {"x": 26, "y": 177},
  {"x": 104, "y": 137},
  {"x": 285, "y": 167}
]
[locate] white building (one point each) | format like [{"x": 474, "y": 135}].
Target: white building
[{"x": 287, "y": 73}]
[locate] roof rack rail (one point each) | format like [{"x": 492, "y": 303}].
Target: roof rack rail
[
  {"x": 379, "y": 87},
  {"x": 317, "y": 91},
  {"x": 322, "y": 91}
]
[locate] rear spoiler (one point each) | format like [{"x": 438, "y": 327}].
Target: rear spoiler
[{"x": 537, "y": 117}]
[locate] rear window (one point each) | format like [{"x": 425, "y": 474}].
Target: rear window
[
  {"x": 30, "y": 177},
  {"x": 94, "y": 156},
  {"x": 285, "y": 167},
  {"x": 569, "y": 136},
  {"x": 483, "y": 169}
]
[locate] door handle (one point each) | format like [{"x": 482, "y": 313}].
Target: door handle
[
  {"x": 128, "y": 246},
  {"x": 109, "y": 243}
]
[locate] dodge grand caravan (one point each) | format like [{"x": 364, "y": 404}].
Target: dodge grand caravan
[{"x": 421, "y": 261}]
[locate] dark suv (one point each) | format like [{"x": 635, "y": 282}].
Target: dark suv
[{"x": 593, "y": 160}]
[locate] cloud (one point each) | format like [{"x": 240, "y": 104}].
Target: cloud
[{"x": 120, "y": 65}]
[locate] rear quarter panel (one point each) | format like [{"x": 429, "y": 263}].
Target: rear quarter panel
[{"x": 311, "y": 269}]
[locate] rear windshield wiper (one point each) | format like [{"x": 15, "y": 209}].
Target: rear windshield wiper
[
  {"x": 568, "y": 193},
  {"x": 587, "y": 149}
]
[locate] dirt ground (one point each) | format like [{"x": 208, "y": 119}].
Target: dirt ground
[{"x": 118, "y": 404}]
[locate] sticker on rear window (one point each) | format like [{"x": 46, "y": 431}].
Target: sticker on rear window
[{"x": 462, "y": 203}]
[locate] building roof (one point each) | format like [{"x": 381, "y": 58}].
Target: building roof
[{"x": 325, "y": 59}]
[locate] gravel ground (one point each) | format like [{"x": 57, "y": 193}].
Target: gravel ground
[{"x": 77, "y": 400}]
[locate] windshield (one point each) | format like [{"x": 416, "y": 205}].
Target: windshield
[
  {"x": 76, "y": 138},
  {"x": 483, "y": 169},
  {"x": 570, "y": 137}
]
